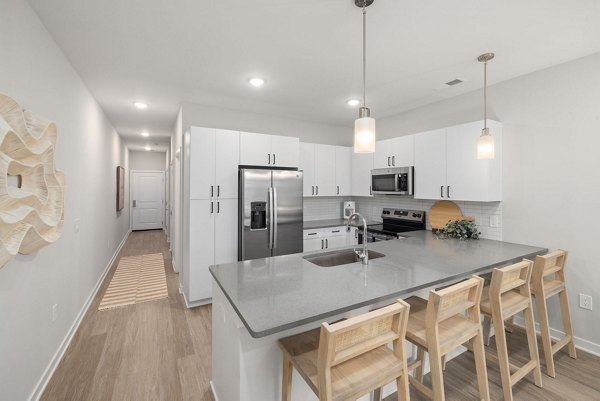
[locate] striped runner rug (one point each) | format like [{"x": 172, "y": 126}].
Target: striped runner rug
[{"x": 137, "y": 279}]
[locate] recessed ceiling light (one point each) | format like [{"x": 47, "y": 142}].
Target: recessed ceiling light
[
  {"x": 148, "y": 148},
  {"x": 353, "y": 102},
  {"x": 140, "y": 105},
  {"x": 257, "y": 82},
  {"x": 145, "y": 134}
]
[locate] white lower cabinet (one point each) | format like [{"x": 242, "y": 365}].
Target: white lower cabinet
[
  {"x": 226, "y": 227},
  {"x": 327, "y": 238},
  {"x": 352, "y": 236}
]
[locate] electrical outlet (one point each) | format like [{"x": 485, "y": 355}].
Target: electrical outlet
[
  {"x": 54, "y": 312},
  {"x": 494, "y": 221},
  {"x": 585, "y": 301}
]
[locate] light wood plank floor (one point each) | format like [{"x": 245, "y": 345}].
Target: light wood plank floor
[{"x": 161, "y": 351}]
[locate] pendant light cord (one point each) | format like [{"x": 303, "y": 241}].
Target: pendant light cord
[
  {"x": 485, "y": 95},
  {"x": 365, "y": 53}
]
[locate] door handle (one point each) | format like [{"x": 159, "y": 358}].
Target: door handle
[
  {"x": 394, "y": 161},
  {"x": 448, "y": 191},
  {"x": 270, "y": 207},
  {"x": 274, "y": 162},
  {"x": 322, "y": 244},
  {"x": 370, "y": 190},
  {"x": 338, "y": 190},
  {"x": 211, "y": 207},
  {"x": 218, "y": 207},
  {"x": 317, "y": 190},
  {"x": 134, "y": 203},
  {"x": 269, "y": 158},
  {"x": 313, "y": 190},
  {"x": 275, "y": 222},
  {"x": 218, "y": 191},
  {"x": 388, "y": 161},
  {"x": 442, "y": 191},
  {"x": 326, "y": 243},
  {"x": 211, "y": 191}
]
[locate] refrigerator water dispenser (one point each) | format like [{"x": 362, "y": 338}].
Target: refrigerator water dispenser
[{"x": 258, "y": 215}]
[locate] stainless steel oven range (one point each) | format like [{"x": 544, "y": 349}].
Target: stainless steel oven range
[{"x": 395, "y": 222}]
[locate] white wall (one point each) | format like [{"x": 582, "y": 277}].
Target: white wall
[
  {"x": 551, "y": 173},
  {"x": 36, "y": 73},
  {"x": 213, "y": 117},
  {"x": 176, "y": 230},
  {"x": 141, "y": 160}
]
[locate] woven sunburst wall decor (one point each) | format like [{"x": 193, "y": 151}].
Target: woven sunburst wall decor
[{"x": 32, "y": 191}]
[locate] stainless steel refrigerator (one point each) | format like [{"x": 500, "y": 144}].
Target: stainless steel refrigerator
[{"x": 270, "y": 214}]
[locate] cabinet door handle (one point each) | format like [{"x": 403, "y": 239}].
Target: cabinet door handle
[
  {"x": 335, "y": 231},
  {"x": 442, "y": 191},
  {"x": 274, "y": 162},
  {"x": 338, "y": 190},
  {"x": 370, "y": 190},
  {"x": 312, "y": 233},
  {"x": 317, "y": 190},
  {"x": 218, "y": 191},
  {"x": 322, "y": 244},
  {"x": 211, "y": 191},
  {"x": 355, "y": 233},
  {"x": 211, "y": 207},
  {"x": 326, "y": 243},
  {"x": 313, "y": 190},
  {"x": 394, "y": 161},
  {"x": 269, "y": 157},
  {"x": 218, "y": 207},
  {"x": 388, "y": 161},
  {"x": 448, "y": 191},
  {"x": 134, "y": 203}
]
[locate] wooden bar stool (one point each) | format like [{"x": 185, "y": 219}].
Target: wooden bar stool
[
  {"x": 439, "y": 325},
  {"x": 544, "y": 287},
  {"x": 507, "y": 295},
  {"x": 346, "y": 360}
]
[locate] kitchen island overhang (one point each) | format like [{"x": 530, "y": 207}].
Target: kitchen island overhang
[{"x": 257, "y": 302}]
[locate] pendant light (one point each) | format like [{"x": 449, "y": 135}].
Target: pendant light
[
  {"x": 364, "y": 126},
  {"x": 485, "y": 143}
]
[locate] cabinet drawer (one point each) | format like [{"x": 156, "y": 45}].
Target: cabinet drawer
[
  {"x": 309, "y": 234},
  {"x": 335, "y": 231}
]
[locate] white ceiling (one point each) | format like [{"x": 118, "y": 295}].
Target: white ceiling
[{"x": 309, "y": 51}]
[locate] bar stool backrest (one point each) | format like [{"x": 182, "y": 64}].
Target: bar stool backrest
[
  {"x": 509, "y": 278},
  {"x": 455, "y": 300},
  {"x": 551, "y": 263}
]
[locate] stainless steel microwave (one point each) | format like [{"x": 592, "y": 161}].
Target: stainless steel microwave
[{"x": 392, "y": 181}]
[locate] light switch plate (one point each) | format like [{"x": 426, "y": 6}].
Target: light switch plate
[{"x": 494, "y": 221}]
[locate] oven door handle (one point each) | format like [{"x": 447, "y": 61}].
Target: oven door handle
[{"x": 397, "y": 182}]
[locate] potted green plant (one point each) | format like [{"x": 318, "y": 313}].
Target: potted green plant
[{"x": 461, "y": 229}]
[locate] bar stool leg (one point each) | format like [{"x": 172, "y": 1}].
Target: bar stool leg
[
  {"x": 540, "y": 300},
  {"x": 402, "y": 386},
  {"x": 437, "y": 374},
  {"x": 502, "y": 350},
  {"x": 420, "y": 369},
  {"x": 482, "y": 378},
  {"x": 377, "y": 394},
  {"x": 532, "y": 344},
  {"x": 487, "y": 329},
  {"x": 286, "y": 385},
  {"x": 566, "y": 315}
]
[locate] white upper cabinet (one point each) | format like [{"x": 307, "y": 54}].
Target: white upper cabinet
[
  {"x": 255, "y": 149},
  {"x": 325, "y": 170},
  {"x": 307, "y": 165},
  {"x": 446, "y": 164},
  {"x": 362, "y": 164},
  {"x": 343, "y": 170},
  {"x": 285, "y": 151},
  {"x": 468, "y": 178},
  {"x": 202, "y": 163},
  {"x": 268, "y": 150},
  {"x": 227, "y": 153},
  {"x": 430, "y": 164},
  {"x": 395, "y": 152}
]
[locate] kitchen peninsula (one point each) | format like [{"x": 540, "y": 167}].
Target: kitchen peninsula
[{"x": 256, "y": 302}]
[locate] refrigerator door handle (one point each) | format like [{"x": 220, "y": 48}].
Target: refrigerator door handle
[
  {"x": 275, "y": 222},
  {"x": 270, "y": 201}
]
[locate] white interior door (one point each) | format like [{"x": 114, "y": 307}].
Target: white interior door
[{"x": 147, "y": 197}]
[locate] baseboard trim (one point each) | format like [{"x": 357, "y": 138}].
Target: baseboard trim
[
  {"x": 60, "y": 352},
  {"x": 214, "y": 393},
  {"x": 202, "y": 302},
  {"x": 580, "y": 343}
]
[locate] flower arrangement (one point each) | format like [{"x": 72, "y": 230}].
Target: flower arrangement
[{"x": 461, "y": 229}]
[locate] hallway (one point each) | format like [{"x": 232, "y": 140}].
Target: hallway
[{"x": 156, "y": 350}]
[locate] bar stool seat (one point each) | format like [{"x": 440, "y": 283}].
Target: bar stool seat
[
  {"x": 451, "y": 330},
  {"x": 551, "y": 287},
  {"x": 512, "y": 302}
]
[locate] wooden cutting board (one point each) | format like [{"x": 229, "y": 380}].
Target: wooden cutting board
[{"x": 444, "y": 211}]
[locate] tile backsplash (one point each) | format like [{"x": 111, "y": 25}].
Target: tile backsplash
[{"x": 485, "y": 214}]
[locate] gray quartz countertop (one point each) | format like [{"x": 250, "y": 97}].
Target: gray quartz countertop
[
  {"x": 314, "y": 224},
  {"x": 275, "y": 294}
]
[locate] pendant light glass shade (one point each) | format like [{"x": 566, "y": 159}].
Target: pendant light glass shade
[
  {"x": 364, "y": 135},
  {"x": 485, "y": 146}
]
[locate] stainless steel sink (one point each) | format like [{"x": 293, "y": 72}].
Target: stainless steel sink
[{"x": 337, "y": 258}]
